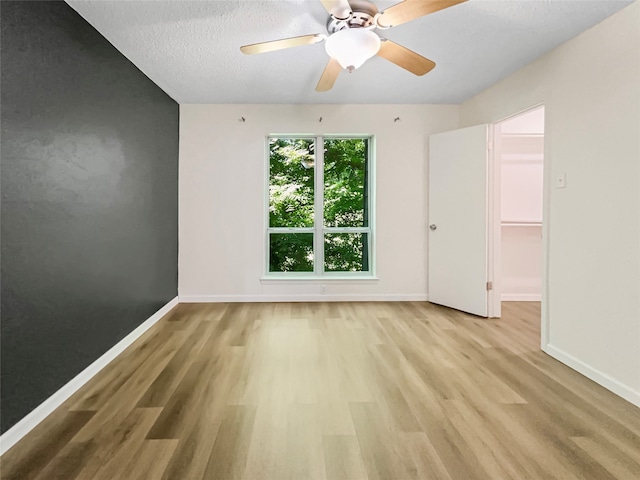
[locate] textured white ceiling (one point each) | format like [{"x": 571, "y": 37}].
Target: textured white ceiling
[{"x": 191, "y": 48}]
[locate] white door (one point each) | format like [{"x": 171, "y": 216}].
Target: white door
[{"x": 458, "y": 163}]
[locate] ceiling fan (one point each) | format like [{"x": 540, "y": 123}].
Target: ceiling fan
[{"x": 351, "y": 39}]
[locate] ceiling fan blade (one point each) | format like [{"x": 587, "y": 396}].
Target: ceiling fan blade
[
  {"x": 281, "y": 44},
  {"x": 340, "y": 9},
  {"x": 411, "y": 9},
  {"x": 329, "y": 76},
  {"x": 405, "y": 58}
]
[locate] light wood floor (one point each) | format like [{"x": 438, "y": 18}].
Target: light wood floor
[{"x": 335, "y": 391}]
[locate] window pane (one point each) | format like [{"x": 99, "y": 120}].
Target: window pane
[
  {"x": 346, "y": 252},
  {"x": 291, "y": 252},
  {"x": 345, "y": 182},
  {"x": 291, "y": 179}
]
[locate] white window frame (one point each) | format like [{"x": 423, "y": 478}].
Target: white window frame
[{"x": 319, "y": 230}]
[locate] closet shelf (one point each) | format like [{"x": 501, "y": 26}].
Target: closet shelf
[{"x": 520, "y": 224}]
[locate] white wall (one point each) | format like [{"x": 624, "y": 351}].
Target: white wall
[
  {"x": 590, "y": 89},
  {"x": 528, "y": 123},
  {"x": 521, "y": 178},
  {"x": 222, "y": 199},
  {"x": 521, "y": 263}
]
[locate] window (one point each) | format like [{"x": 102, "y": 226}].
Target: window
[{"x": 319, "y": 206}]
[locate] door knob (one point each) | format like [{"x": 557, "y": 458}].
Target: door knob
[{"x": 433, "y": 227}]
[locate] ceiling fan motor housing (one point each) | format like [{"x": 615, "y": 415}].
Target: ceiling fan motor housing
[{"x": 362, "y": 16}]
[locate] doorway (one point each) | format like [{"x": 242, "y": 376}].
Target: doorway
[{"x": 518, "y": 179}]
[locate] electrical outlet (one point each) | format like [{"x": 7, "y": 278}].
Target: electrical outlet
[{"x": 324, "y": 289}]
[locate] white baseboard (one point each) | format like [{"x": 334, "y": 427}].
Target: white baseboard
[
  {"x": 521, "y": 297},
  {"x": 24, "y": 426},
  {"x": 597, "y": 376},
  {"x": 343, "y": 297}
]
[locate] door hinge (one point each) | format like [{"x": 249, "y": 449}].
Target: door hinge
[{"x": 489, "y": 286}]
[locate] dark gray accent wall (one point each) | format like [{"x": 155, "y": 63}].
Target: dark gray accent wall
[{"x": 89, "y": 194}]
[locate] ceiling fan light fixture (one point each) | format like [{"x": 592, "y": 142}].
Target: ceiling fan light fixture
[{"x": 352, "y": 47}]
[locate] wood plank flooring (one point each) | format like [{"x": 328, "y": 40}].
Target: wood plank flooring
[{"x": 375, "y": 391}]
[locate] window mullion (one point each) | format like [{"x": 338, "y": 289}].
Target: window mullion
[{"x": 318, "y": 246}]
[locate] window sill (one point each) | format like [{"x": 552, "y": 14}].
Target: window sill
[{"x": 274, "y": 279}]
